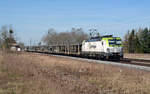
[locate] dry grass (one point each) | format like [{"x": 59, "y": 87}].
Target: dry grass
[
  {"x": 38, "y": 74},
  {"x": 21, "y": 76}
]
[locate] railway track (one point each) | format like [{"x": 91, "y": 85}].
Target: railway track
[
  {"x": 132, "y": 63},
  {"x": 140, "y": 62}
]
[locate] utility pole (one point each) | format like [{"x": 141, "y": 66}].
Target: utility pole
[{"x": 30, "y": 42}]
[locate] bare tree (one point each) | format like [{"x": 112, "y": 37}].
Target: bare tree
[
  {"x": 51, "y": 37},
  {"x": 68, "y": 37},
  {"x": 78, "y": 35},
  {"x": 6, "y": 37},
  {"x": 64, "y": 38}
]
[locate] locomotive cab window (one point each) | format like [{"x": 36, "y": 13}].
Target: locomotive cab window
[{"x": 113, "y": 42}]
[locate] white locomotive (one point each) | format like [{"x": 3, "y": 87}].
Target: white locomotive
[{"x": 104, "y": 47}]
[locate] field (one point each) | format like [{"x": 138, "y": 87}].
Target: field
[{"x": 28, "y": 73}]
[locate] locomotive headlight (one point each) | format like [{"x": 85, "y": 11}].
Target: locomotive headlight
[{"x": 108, "y": 50}]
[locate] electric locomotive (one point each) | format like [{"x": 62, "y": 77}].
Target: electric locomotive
[{"x": 103, "y": 47}]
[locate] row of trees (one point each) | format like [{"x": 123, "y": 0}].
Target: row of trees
[
  {"x": 75, "y": 35},
  {"x": 137, "y": 41}
]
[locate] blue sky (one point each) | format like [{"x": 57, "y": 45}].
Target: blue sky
[{"x": 32, "y": 18}]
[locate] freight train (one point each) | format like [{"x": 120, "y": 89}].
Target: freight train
[{"x": 103, "y": 47}]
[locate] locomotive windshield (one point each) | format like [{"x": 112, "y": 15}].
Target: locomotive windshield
[{"x": 114, "y": 42}]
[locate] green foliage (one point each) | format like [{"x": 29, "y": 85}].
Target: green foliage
[
  {"x": 132, "y": 41},
  {"x": 137, "y": 41}
]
